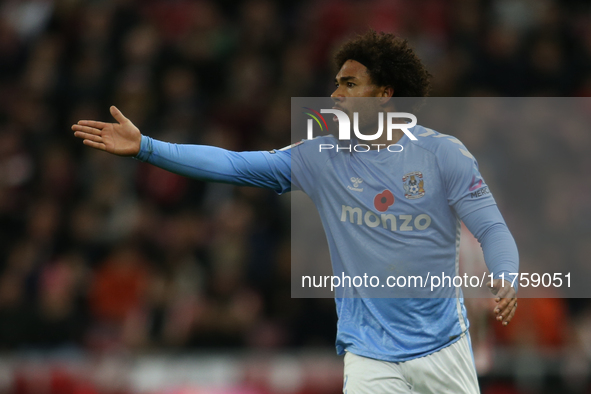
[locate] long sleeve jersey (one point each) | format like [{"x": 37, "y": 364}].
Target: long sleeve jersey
[{"x": 383, "y": 213}]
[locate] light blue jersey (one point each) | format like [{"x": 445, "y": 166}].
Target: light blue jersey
[{"x": 383, "y": 212}]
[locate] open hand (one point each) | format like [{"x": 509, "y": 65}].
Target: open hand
[
  {"x": 121, "y": 138},
  {"x": 506, "y": 300}
]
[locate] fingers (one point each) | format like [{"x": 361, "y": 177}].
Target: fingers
[
  {"x": 86, "y": 129},
  {"x": 90, "y": 137},
  {"x": 93, "y": 123},
  {"x": 96, "y": 145},
  {"x": 87, "y": 133},
  {"x": 117, "y": 114},
  {"x": 504, "y": 304},
  {"x": 504, "y": 300},
  {"x": 511, "y": 314},
  {"x": 505, "y": 314}
]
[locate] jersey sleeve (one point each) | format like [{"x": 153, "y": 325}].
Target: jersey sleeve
[
  {"x": 308, "y": 162},
  {"x": 466, "y": 190},
  {"x": 499, "y": 248},
  {"x": 207, "y": 163},
  {"x": 301, "y": 169},
  {"x": 471, "y": 199}
]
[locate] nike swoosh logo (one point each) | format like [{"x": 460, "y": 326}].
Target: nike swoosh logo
[{"x": 475, "y": 186}]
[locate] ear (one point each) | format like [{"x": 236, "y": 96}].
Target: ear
[
  {"x": 388, "y": 91},
  {"x": 385, "y": 94}
]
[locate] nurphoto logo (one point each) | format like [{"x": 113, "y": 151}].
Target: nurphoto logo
[{"x": 345, "y": 129}]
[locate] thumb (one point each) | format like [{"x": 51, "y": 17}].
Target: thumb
[{"x": 117, "y": 114}]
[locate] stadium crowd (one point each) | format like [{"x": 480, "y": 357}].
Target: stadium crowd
[{"x": 109, "y": 254}]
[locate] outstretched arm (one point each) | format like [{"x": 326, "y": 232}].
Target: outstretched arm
[{"x": 261, "y": 169}]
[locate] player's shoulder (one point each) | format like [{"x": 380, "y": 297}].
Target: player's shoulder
[{"x": 439, "y": 144}]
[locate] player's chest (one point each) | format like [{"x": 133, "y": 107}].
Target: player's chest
[{"x": 392, "y": 185}]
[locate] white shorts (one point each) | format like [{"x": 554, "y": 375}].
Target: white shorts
[{"x": 450, "y": 370}]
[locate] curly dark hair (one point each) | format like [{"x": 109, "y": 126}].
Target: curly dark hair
[{"x": 390, "y": 61}]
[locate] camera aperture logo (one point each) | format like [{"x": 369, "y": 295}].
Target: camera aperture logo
[{"x": 345, "y": 129}]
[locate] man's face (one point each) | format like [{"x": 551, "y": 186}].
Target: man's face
[{"x": 353, "y": 81}]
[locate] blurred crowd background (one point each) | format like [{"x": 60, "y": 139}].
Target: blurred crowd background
[{"x": 106, "y": 255}]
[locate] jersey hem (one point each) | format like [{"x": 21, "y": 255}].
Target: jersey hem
[{"x": 394, "y": 359}]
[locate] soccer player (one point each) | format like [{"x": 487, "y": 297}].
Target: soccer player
[{"x": 391, "y": 345}]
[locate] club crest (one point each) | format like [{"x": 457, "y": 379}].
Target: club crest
[{"x": 414, "y": 185}]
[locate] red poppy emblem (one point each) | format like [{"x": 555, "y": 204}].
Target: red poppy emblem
[{"x": 383, "y": 200}]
